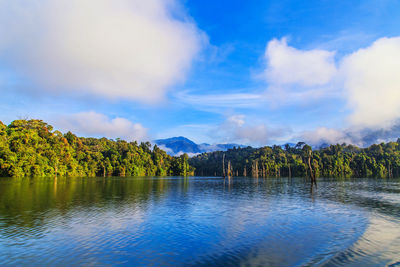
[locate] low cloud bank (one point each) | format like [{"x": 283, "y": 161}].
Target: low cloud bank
[
  {"x": 361, "y": 137},
  {"x": 99, "y": 125},
  {"x": 236, "y": 129}
]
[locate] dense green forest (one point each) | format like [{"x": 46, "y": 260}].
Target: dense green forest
[
  {"x": 380, "y": 160},
  {"x": 32, "y": 148}
]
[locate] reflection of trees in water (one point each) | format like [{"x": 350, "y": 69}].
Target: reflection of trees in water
[
  {"x": 29, "y": 202},
  {"x": 35, "y": 203},
  {"x": 367, "y": 193},
  {"x": 381, "y": 206}
]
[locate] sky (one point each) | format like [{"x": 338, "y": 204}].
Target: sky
[{"x": 248, "y": 72}]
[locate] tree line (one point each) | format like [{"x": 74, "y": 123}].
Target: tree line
[
  {"x": 378, "y": 160},
  {"x": 33, "y": 148}
]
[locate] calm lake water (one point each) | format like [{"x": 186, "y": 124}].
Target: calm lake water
[{"x": 200, "y": 221}]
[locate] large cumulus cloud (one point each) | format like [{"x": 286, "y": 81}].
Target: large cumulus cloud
[
  {"x": 368, "y": 80},
  {"x": 130, "y": 49},
  {"x": 372, "y": 83}
]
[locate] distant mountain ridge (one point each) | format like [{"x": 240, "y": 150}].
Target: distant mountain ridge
[{"x": 179, "y": 145}]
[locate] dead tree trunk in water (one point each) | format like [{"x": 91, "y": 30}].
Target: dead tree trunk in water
[
  {"x": 223, "y": 165},
  {"x": 229, "y": 172},
  {"x": 244, "y": 171},
  {"x": 307, "y": 157},
  {"x": 312, "y": 174}
]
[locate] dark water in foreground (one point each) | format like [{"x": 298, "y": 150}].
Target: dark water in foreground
[{"x": 199, "y": 221}]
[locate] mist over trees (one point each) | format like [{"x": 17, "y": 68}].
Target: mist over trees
[{"x": 32, "y": 148}]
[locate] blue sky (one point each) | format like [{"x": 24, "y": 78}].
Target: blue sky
[{"x": 250, "y": 72}]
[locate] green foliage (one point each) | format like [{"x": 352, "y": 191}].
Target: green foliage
[
  {"x": 32, "y": 148},
  {"x": 381, "y": 160}
]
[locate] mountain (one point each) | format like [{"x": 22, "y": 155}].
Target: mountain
[
  {"x": 289, "y": 144},
  {"x": 179, "y": 145},
  {"x": 175, "y": 145}
]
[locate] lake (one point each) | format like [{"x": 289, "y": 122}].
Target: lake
[{"x": 201, "y": 221}]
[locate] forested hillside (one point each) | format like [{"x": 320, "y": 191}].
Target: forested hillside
[
  {"x": 32, "y": 148},
  {"x": 382, "y": 160}
]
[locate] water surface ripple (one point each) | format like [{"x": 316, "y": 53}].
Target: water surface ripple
[{"x": 201, "y": 221}]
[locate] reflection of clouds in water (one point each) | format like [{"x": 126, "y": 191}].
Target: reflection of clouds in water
[
  {"x": 379, "y": 245},
  {"x": 301, "y": 227},
  {"x": 97, "y": 219},
  {"x": 205, "y": 221},
  {"x": 280, "y": 231},
  {"x": 241, "y": 220},
  {"x": 97, "y": 233}
]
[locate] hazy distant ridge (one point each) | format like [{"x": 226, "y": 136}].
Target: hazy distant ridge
[{"x": 179, "y": 145}]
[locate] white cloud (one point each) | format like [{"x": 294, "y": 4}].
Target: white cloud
[
  {"x": 190, "y": 155},
  {"x": 236, "y": 120},
  {"x": 370, "y": 78},
  {"x": 353, "y": 135},
  {"x": 288, "y": 65},
  {"x": 372, "y": 83},
  {"x": 229, "y": 100},
  {"x": 166, "y": 149},
  {"x": 172, "y": 153},
  {"x": 367, "y": 79},
  {"x": 323, "y": 135},
  {"x": 99, "y": 125},
  {"x": 113, "y": 48},
  {"x": 236, "y": 129}
]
